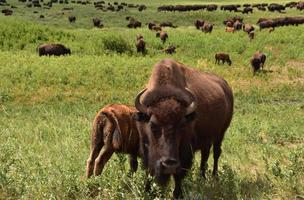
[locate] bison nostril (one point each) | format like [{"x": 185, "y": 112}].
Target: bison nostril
[{"x": 170, "y": 162}]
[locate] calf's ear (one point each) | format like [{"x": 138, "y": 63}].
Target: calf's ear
[{"x": 141, "y": 117}]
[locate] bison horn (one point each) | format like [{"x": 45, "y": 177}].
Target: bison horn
[
  {"x": 139, "y": 106},
  {"x": 192, "y": 106}
]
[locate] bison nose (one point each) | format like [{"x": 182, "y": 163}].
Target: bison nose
[{"x": 170, "y": 164}]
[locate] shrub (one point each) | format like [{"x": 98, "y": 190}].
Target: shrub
[{"x": 116, "y": 44}]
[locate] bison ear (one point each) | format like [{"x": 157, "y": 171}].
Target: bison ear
[
  {"x": 190, "y": 117},
  {"x": 141, "y": 117}
]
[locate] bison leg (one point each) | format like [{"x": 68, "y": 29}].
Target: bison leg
[
  {"x": 133, "y": 162},
  {"x": 96, "y": 145},
  {"x": 204, "y": 158},
  {"x": 177, "y": 193},
  {"x": 103, "y": 157},
  {"x": 93, "y": 155},
  {"x": 216, "y": 155}
]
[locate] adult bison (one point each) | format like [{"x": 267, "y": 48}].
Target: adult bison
[
  {"x": 181, "y": 110},
  {"x": 114, "y": 130},
  {"x": 162, "y": 35},
  {"x": 53, "y": 50}
]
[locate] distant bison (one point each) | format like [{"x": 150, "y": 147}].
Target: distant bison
[
  {"x": 300, "y": 5},
  {"x": 199, "y": 23},
  {"x": 7, "y": 12},
  {"x": 207, "y": 28},
  {"x": 97, "y": 22},
  {"x": 162, "y": 35},
  {"x": 53, "y": 50},
  {"x": 151, "y": 25},
  {"x": 247, "y": 10},
  {"x": 72, "y": 19},
  {"x": 167, "y": 24},
  {"x": 169, "y": 50},
  {"x": 224, "y": 57},
  {"x": 114, "y": 130},
  {"x": 140, "y": 44},
  {"x": 134, "y": 24},
  {"x": 257, "y": 61}
]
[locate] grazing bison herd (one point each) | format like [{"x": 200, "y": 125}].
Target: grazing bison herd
[
  {"x": 180, "y": 111},
  {"x": 232, "y": 24},
  {"x": 247, "y": 8}
]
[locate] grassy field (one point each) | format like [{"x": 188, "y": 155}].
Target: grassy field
[{"x": 47, "y": 104}]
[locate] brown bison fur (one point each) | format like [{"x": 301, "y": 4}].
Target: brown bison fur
[
  {"x": 162, "y": 35},
  {"x": 237, "y": 25},
  {"x": 114, "y": 130},
  {"x": 140, "y": 44},
  {"x": 167, "y": 24},
  {"x": 251, "y": 35},
  {"x": 199, "y": 23},
  {"x": 134, "y": 24},
  {"x": 229, "y": 29},
  {"x": 169, "y": 50},
  {"x": 300, "y": 6},
  {"x": 229, "y": 24},
  {"x": 261, "y": 20},
  {"x": 97, "y": 22},
  {"x": 151, "y": 24},
  {"x": 207, "y": 27},
  {"x": 181, "y": 110},
  {"x": 257, "y": 61},
  {"x": 72, "y": 19},
  {"x": 224, "y": 57},
  {"x": 248, "y": 28},
  {"x": 7, "y": 12},
  {"x": 156, "y": 28},
  {"x": 247, "y": 10},
  {"x": 53, "y": 50}
]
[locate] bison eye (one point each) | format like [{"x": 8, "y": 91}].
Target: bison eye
[
  {"x": 190, "y": 117},
  {"x": 141, "y": 117}
]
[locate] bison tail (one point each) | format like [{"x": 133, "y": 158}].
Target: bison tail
[{"x": 117, "y": 135}]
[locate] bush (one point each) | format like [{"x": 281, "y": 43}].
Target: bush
[{"x": 116, "y": 44}]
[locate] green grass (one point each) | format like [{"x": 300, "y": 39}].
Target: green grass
[{"x": 47, "y": 104}]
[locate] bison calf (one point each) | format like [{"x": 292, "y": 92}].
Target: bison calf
[
  {"x": 224, "y": 57},
  {"x": 114, "y": 130},
  {"x": 140, "y": 44},
  {"x": 257, "y": 61},
  {"x": 53, "y": 50}
]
